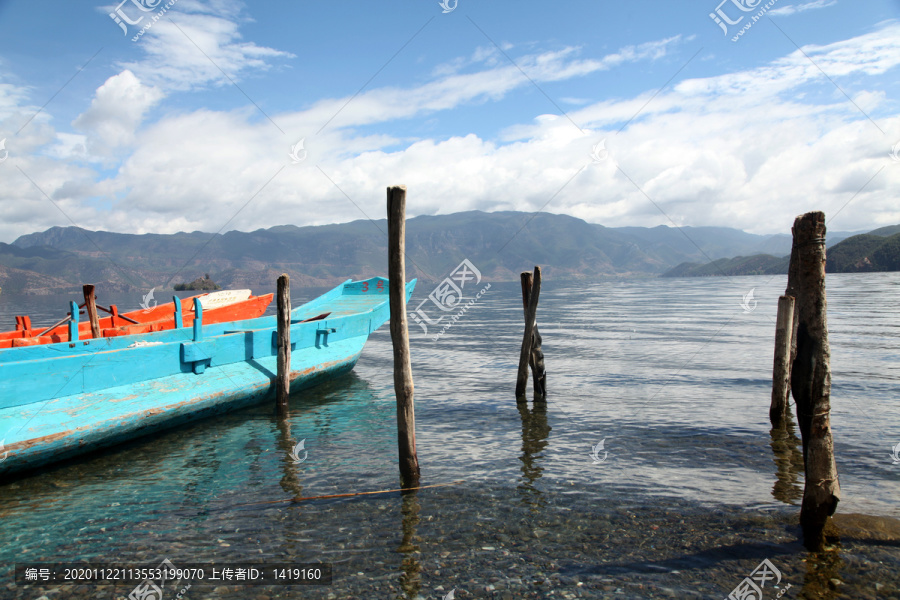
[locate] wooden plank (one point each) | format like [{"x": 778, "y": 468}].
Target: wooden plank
[
  {"x": 403, "y": 379},
  {"x": 73, "y": 322},
  {"x": 525, "y": 353},
  {"x": 282, "y": 378},
  {"x": 811, "y": 381}
]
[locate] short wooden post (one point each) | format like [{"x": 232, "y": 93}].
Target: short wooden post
[
  {"x": 525, "y": 353},
  {"x": 403, "y": 379},
  {"x": 536, "y": 360},
  {"x": 781, "y": 371},
  {"x": 198, "y": 320},
  {"x": 811, "y": 381},
  {"x": 283, "y": 378},
  {"x": 179, "y": 315},
  {"x": 90, "y": 304},
  {"x": 792, "y": 290},
  {"x": 73, "y": 322}
]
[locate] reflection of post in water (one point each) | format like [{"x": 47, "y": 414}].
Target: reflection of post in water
[
  {"x": 410, "y": 578},
  {"x": 290, "y": 481},
  {"x": 534, "y": 439},
  {"x": 788, "y": 461}
]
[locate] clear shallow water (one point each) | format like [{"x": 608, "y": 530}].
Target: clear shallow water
[{"x": 672, "y": 374}]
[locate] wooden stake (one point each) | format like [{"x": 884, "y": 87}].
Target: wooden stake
[
  {"x": 536, "y": 360},
  {"x": 811, "y": 381},
  {"x": 525, "y": 353},
  {"x": 781, "y": 371},
  {"x": 283, "y": 377},
  {"x": 90, "y": 303},
  {"x": 792, "y": 290},
  {"x": 403, "y": 380}
]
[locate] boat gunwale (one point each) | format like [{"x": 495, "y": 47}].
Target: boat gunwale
[{"x": 21, "y": 354}]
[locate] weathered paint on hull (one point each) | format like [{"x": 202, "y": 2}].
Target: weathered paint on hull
[
  {"x": 114, "y": 390},
  {"x": 66, "y": 427}
]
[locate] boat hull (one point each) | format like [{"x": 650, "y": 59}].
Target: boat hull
[
  {"x": 73, "y": 425},
  {"x": 61, "y": 400}
]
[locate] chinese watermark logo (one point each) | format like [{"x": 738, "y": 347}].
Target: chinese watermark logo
[
  {"x": 4, "y": 151},
  {"x": 895, "y": 454},
  {"x": 145, "y": 303},
  {"x": 144, "y": 6},
  {"x": 4, "y": 452},
  {"x": 746, "y": 303},
  {"x": 599, "y": 153},
  {"x": 723, "y": 20},
  {"x": 148, "y": 589},
  {"x": 295, "y": 453},
  {"x": 895, "y": 152},
  {"x": 448, "y": 297},
  {"x": 297, "y": 153},
  {"x": 596, "y": 450},
  {"x": 445, "y": 4},
  {"x": 751, "y": 587}
]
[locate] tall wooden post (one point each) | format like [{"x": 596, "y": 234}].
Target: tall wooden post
[
  {"x": 403, "y": 380},
  {"x": 283, "y": 377},
  {"x": 90, "y": 304},
  {"x": 781, "y": 370},
  {"x": 527, "y": 340},
  {"x": 811, "y": 381},
  {"x": 536, "y": 359}
]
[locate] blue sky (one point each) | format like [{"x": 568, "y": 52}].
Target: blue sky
[{"x": 489, "y": 106}]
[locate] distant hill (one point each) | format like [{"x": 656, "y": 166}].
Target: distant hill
[
  {"x": 869, "y": 252},
  {"x": 758, "y": 264},
  {"x": 886, "y": 231},
  {"x": 499, "y": 244},
  {"x": 878, "y": 250}
]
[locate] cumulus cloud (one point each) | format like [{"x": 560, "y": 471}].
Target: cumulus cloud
[
  {"x": 116, "y": 111},
  {"x": 740, "y": 149}
]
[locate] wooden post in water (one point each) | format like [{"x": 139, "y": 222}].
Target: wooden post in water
[
  {"x": 792, "y": 290},
  {"x": 536, "y": 359},
  {"x": 403, "y": 380},
  {"x": 811, "y": 381},
  {"x": 781, "y": 371},
  {"x": 283, "y": 377},
  {"x": 527, "y": 340},
  {"x": 90, "y": 304}
]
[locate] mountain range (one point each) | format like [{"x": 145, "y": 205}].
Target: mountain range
[
  {"x": 877, "y": 250},
  {"x": 499, "y": 244}
]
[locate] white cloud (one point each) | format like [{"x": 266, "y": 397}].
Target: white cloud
[
  {"x": 198, "y": 44},
  {"x": 791, "y": 9},
  {"x": 739, "y": 149},
  {"x": 118, "y": 108}
]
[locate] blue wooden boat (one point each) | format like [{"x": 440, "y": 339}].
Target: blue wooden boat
[{"x": 64, "y": 399}]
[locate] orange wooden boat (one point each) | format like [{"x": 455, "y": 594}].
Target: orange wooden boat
[{"x": 218, "y": 307}]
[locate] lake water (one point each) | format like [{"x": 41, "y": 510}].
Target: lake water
[{"x": 691, "y": 492}]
